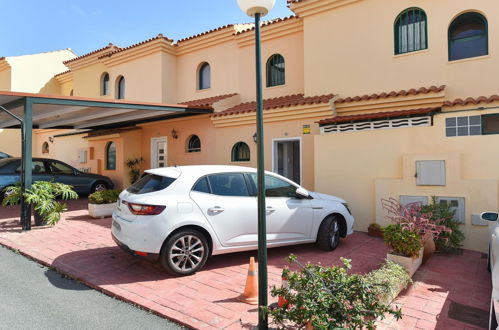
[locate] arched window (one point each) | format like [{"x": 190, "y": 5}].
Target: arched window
[
  {"x": 104, "y": 87},
  {"x": 45, "y": 148},
  {"x": 120, "y": 88},
  {"x": 275, "y": 70},
  {"x": 240, "y": 152},
  {"x": 468, "y": 36},
  {"x": 204, "y": 76},
  {"x": 110, "y": 156},
  {"x": 193, "y": 144},
  {"x": 410, "y": 31}
]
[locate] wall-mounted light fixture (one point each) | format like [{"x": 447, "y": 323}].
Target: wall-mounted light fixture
[
  {"x": 51, "y": 139},
  {"x": 174, "y": 134},
  {"x": 255, "y": 137}
]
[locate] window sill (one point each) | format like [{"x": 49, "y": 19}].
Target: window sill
[
  {"x": 412, "y": 53},
  {"x": 202, "y": 90},
  {"x": 275, "y": 87},
  {"x": 241, "y": 161},
  {"x": 476, "y": 58}
]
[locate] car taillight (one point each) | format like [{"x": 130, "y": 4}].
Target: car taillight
[{"x": 142, "y": 209}]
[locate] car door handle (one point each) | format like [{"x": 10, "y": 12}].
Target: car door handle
[
  {"x": 215, "y": 209},
  {"x": 270, "y": 209}
]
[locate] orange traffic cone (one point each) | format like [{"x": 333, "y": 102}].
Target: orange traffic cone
[
  {"x": 250, "y": 295},
  {"x": 283, "y": 301}
]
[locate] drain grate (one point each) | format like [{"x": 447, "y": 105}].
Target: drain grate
[{"x": 468, "y": 314}]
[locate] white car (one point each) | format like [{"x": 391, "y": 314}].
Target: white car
[
  {"x": 182, "y": 215},
  {"x": 493, "y": 266}
]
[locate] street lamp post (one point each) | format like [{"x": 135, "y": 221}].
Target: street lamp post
[{"x": 257, "y": 9}]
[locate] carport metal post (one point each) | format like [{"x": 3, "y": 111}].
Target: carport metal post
[
  {"x": 26, "y": 162},
  {"x": 25, "y": 209}
]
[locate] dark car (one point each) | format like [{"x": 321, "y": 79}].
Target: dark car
[
  {"x": 4, "y": 155},
  {"x": 44, "y": 169}
]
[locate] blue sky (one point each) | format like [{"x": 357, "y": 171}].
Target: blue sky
[{"x": 33, "y": 26}]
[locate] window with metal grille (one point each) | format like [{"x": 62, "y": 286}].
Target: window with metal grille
[
  {"x": 410, "y": 31},
  {"x": 240, "y": 152},
  {"x": 468, "y": 36},
  {"x": 463, "y": 126},
  {"x": 275, "y": 70},
  {"x": 204, "y": 79},
  {"x": 193, "y": 144},
  {"x": 120, "y": 88}
]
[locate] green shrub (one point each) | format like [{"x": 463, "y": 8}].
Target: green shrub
[
  {"x": 402, "y": 241},
  {"x": 330, "y": 298},
  {"x": 394, "y": 276},
  {"x": 43, "y": 196},
  {"x": 446, "y": 240},
  {"x": 104, "y": 196}
]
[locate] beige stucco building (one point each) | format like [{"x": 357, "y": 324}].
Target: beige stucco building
[{"x": 363, "y": 99}]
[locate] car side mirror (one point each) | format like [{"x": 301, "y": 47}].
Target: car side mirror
[
  {"x": 489, "y": 216},
  {"x": 302, "y": 193},
  {"x": 75, "y": 172}
]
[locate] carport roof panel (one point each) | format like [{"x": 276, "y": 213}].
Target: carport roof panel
[{"x": 49, "y": 111}]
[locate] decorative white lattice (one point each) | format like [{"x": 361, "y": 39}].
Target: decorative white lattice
[{"x": 377, "y": 124}]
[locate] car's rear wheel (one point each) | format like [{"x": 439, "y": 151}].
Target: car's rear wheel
[
  {"x": 328, "y": 236},
  {"x": 185, "y": 252},
  {"x": 492, "y": 318},
  {"x": 99, "y": 186}
]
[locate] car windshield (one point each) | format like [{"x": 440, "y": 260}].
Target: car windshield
[{"x": 150, "y": 183}]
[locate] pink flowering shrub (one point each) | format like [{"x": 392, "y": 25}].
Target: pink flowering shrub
[{"x": 411, "y": 217}]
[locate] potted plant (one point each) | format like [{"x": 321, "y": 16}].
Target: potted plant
[
  {"x": 412, "y": 217},
  {"x": 43, "y": 197},
  {"x": 102, "y": 203},
  {"x": 374, "y": 230},
  {"x": 406, "y": 245}
]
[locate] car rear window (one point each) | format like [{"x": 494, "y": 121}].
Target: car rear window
[{"x": 150, "y": 183}]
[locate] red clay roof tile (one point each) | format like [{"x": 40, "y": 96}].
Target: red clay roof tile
[
  {"x": 412, "y": 91},
  {"x": 471, "y": 100},
  {"x": 376, "y": 115},
  {"x": 206, "y": 32},
  {"x": 108, "y": 47},
  {"x": 274, "y": 103},
  {"x": 60, "y": 74},
  {"x": 119, "y": 50},
  {"x": 266, "y": 23},
  {"x": 206, "y": 102}
]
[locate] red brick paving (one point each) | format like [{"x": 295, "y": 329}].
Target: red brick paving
[{"x": 82, "y": 248}]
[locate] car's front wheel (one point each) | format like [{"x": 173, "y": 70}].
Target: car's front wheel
[
  {"x": 328, "y": 236},
  {"x": 185, "y": 252}
]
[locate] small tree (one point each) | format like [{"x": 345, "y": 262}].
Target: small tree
[
  {"x": 330, "y": 298},
  {"x": 134, "y": 165}
]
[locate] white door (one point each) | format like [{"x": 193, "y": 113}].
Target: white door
[
  {"x": 287, "y": 158},
  {"x": 158, "y": 152},
  {"x": 225, "y": 201},
  {"x": 288, "y": 217}
]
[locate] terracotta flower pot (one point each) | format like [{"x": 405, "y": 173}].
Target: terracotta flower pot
[{"x": 429, "y": 249}]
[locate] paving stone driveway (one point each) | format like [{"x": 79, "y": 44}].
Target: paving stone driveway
[{"x": 82, "y": 248}]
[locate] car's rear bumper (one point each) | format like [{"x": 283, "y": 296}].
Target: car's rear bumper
[{"x": 124, "y": 247}]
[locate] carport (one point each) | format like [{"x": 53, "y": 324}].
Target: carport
[{"x": 28, "y": 111}]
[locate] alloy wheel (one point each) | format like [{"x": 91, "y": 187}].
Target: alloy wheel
[
  {"x": 186, "y": 253},
  {"x": 334, "y": 234}
]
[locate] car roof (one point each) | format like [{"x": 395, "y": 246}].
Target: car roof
[{"x": 198, "y": 170}]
